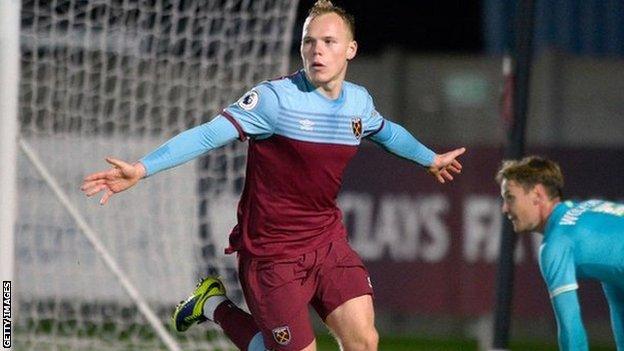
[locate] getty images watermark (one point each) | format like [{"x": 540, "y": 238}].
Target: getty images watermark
[{"x": 6, "y": 314}]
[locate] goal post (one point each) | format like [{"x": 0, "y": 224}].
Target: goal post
[
  {"x": 99, "y": 248},
  {"x": 9, "y": 78},
  {"x": 118, "y": 78}
]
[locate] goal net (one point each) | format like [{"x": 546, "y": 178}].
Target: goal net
[{"x": 117, "y": 78}]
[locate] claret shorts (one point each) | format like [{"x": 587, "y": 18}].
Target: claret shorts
[{"x": 279, "y": 292}]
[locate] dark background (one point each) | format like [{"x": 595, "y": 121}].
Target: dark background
[
  {"x": 416, "y": 26},
  {"x": 577, "y": 27}
]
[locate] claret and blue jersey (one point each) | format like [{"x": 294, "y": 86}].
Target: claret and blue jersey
[
  {"x": 299, "y": 145},
  {"x": 584, "y": 240},
  {"x": 291, "y": 107}
]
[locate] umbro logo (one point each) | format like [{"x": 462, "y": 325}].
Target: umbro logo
[{"x": 306, "y": 124}]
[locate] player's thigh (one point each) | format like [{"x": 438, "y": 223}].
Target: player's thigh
[
  {"x": 344, "y": 298},
  {"x": 353, "y": 323},
  {"x": 615, "y": 298},
  {"x": 342, "y": 277},
  {"x": 278, "y": 302}
]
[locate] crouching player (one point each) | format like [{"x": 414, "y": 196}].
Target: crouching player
[{"x": 581, "y": 240}]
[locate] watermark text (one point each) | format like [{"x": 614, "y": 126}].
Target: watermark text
[{"x": 6, "y": 314}]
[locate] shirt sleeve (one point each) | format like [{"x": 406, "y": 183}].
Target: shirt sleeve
[
  {"x": 556, "y": 260},
  {"x": 397, "y": 140},
  {"x": 189, "y": 144},
  {"x": 571, "y": 332},
  {"x": 255, "y": 113},
  {"x": 372, "y": 122}
]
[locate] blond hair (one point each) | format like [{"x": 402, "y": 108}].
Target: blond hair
[
  {"x": 322, "y": 7},
  {"x": 533, "y": 170}
]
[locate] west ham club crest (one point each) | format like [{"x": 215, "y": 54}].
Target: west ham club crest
[
  {"x": 356, "y": 127},
  {"x": 281, "y": 335}
]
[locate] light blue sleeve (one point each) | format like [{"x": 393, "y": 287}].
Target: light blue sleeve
[
  {"x": 189, "y": 145},
  {"x": 372, "y": 121},
  {"x": 556, "y": 260},
  {"x": 255, "y": 113},
  {"x": 615, "y": 298},
  {"x": 571, "y": 333},
  {"x": 400, "y": 142}
]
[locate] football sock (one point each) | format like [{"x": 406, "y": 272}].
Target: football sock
[
  {"x": 238, "y": 325},
  {"x": 211, "y": 305}
]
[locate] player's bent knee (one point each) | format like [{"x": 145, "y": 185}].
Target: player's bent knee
[{"x": 364, "y": 341}]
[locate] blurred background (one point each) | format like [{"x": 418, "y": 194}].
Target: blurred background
[
  {"x": 436, "y": 68},
  {"x": 119, "y": 77}
]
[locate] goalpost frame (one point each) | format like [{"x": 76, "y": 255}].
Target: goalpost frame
[
  {"x": 15, "y": 42},
  {"x": 9, "y": 94},
  {"x": 9, "y": 84},
  {"x": 518, "y": 69}
]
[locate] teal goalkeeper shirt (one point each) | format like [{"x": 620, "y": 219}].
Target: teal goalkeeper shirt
[{"x": 581, "y": 240}]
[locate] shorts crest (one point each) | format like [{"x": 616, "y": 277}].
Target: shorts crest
[{"x": 281, "y": 335}]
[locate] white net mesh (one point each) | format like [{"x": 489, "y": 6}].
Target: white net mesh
[{"x": 119, "y": 77}]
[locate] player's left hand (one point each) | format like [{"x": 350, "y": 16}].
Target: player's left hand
[{"x": 445, "y": 164}]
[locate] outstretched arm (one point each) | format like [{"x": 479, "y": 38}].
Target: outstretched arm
[
  {"x": 178, "y": 150},
  {"x": 571, "y": 333},
  {"x": 397, "y": 140}
]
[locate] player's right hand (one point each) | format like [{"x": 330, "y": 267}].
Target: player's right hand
[{"x": 117, "y": 179}]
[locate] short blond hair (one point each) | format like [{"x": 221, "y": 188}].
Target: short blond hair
[
  {"x": 533, "y": 170},
  {"x": 322, "y": 7}
]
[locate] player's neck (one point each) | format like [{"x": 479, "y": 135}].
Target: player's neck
[
  {"x": 546, "y": 212},
  {"x": 331, "y": 90}
]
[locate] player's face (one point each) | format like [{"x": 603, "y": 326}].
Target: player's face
[
  {"x": 520, "y": 206},
  {"x": 326, "y": 46}
]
